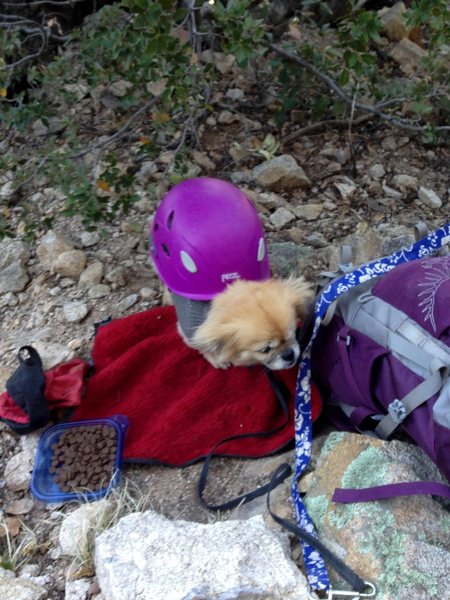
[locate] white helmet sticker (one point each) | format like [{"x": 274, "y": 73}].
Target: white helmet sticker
[
  {"x": 188, "y": 262},
  {"x": 261, "y": 250}
]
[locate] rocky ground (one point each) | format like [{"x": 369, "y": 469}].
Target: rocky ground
[{"x": 313, "y": 194}]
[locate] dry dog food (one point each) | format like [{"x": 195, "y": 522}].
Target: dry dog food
[{"x": 84, "y": 457}]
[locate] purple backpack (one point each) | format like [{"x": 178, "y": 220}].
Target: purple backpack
[
  {"x": 379, "y": 350},
  {"x": 381, "y": 356}
]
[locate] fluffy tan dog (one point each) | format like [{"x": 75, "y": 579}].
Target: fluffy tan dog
[{"x": 254, "y": 322}]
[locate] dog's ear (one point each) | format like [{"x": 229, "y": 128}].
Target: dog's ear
[
  {"x": 209, "y": 341},
  {"x": 207, "y": 338},
  {"x": 301, "y": 295}
]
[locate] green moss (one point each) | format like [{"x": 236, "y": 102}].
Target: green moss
[
  {"x": 317, "y": 508},
  {"x": 368, "y": 469},
  {"x": 444, "y": 524},
  {"x": 332, "y": 440}
]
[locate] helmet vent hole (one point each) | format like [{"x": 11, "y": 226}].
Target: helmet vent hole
[
  {"x": 156, "y": 227},
  {"x": 166, "y": 249},
  {"x": 170, "y": 219}
]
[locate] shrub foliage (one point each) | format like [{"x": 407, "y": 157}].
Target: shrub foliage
[{"x": 134, "y": 78}]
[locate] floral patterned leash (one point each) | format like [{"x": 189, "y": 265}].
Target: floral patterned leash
[{"x": 314, "y": 563}]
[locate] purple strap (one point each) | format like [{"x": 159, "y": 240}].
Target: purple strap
[{"x": 392, "y": 490}]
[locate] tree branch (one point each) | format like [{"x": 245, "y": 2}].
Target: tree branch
[
  {"x": 120, "y": 132},
  {"x": 336, "y": 88},
  {"x": 33, "y": 3}
]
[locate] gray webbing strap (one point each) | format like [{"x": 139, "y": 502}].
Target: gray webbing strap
[
  {"x": 420, "y": 230},
  {"x": 329, "y": 314},
  {"x": 400, "y": 409},
  {"x": 394, "y": 330}
]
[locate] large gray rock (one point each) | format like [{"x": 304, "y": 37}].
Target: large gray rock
[
  {"x": 14, "y": 255},
  {"x": 53, "y": 354},
  {"x": 13, "y": 278},
  {"x": 92, "y": 275},
  {"x": 146, "y": 556},
  {"x": 281, "y": 172},
  {"x": 77, "y": 528},
  {"x": 401, "y": 544},
  {"x": 12, "y": 251},
  {"x": 393, "y": 22},
  {"x": 18, "y": 471},
  {"x": 407, "y": 54},
  {"x": 70, "y": 263},
  {"x": 50, "y": 247},
  {"x": 12, "y": 588},
  {"x": 429, "y": 197}
]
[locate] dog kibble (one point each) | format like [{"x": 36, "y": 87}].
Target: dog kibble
[{"x": 84, "y": 457}]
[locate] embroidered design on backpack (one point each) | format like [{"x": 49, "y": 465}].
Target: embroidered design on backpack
[{"x": 436, "y": 274}]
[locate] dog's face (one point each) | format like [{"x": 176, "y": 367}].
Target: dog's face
[{"x": 254, "y": 322}]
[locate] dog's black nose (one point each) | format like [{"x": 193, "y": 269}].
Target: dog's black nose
[{"x": 288, "y": 356}]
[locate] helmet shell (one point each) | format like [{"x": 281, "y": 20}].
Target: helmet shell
[{"x": 205, "y": 234}]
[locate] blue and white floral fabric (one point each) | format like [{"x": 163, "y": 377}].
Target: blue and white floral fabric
[{"x": 314, "y": 563}]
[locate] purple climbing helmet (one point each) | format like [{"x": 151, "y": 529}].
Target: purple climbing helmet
[{"x": 206, "y": 233}]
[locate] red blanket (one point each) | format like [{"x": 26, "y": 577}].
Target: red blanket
[{"x": 178, "y": 406}]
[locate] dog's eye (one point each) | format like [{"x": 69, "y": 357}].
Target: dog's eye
[{"x": 266, "y": 350}]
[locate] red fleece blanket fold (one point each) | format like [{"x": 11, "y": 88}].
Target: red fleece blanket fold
[{"x": 178, "y": 406}]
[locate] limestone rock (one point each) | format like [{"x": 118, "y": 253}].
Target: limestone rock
[
  {"x": 52, "y": 354},
  {"x": 365, "y": 244},
  {"x": 18, "y": 471},
  {"x": 10, "y": 526},
  {"x": 394, "y": 26},
  {"x": 429, "y": 197},
  {"x": 50, "y": 247},
  {"x": 264, "y": 200},
  {"x": 287, "y": 258},
  {"x": 346, "y": 189},
  {"x": 377, "y": 171},
  {"x": 235, "y": 94},
  {"x": 12, "y": 588},
  {"x": 392, "y": 542},
  {"x": 100, "y": 290},
  {"x": 203, "y": 161},
  {"x": 19, "y": 507},
  {"x": 12, "y": 251},
  {"x": 6, "y": 185},
  {"x": 146, "y": 556},
  {"x": 77, "y": 589},
  {"x": 281, "y": 217},
  {"x": 226, "y": 117},
  {"x": 92, "y": 275},
  {"x": 89, "y": 238},
  {"x": 116, "y": 276},
  {"x": 75, "y": 532},
  {"x": 14, "y": 255},
  {"x": 407, "y": 53},
  {"x": 70, "y": 263},
  {"x": 308, "y": 212},
  {"x": 13, "y": 278},
  {"x": 281, "y": 172},
  {"x": 75, "y": 311},
  {"x": 127, "y": 302},
  {"x": 222, "y": 62},
  {"x": 405, "y": 183}
]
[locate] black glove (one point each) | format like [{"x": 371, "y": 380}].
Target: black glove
[{"x": 26, "y": 386}]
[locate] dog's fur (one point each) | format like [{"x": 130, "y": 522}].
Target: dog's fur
[{"x": 254, "y": 322}]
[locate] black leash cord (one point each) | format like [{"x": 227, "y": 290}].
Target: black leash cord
[
  {"x": 334, "y": 561},
  {"x": 280, "y": 390}
]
